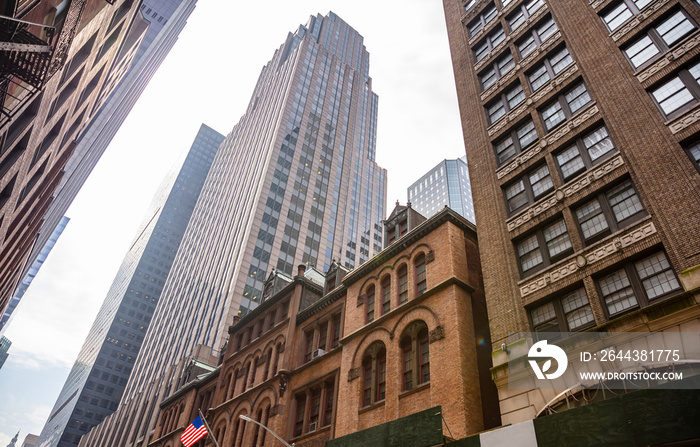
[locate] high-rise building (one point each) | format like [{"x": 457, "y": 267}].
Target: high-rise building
[
  {"x": 294, "y": 182},
  {"x": 31, "y": 274},
  {"x": 447, "y": 184},
  {"x": 30, "y": 440},
  {"x": 5, "y": 344},
  {"x": 166, "y": 18},
  {"x": 59, "y": 61},
  {"x": 99, "y": 375},
  {"x": 581, "y": 128}
]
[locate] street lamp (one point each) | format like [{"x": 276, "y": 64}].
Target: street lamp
[{"x": 247, "y": 419}]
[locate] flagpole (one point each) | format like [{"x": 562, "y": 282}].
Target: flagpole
[{"x": 208, "y": 429}]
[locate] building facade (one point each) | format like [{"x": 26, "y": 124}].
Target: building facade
[
  {"x": 165, "y": 20},
  {"x": 447, "y": 184},
  {"x": 98, "y": 378},
  {"x": 294, "y": 182},
  {"x": 59, "y": 60},
  {"x": 5, "y": 344},
  {"x": 325, "y": 356},
  {"x": 580, "y": 122},
  {"x": 31, "y": 273}
]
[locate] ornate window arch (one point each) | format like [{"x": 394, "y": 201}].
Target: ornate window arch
[
  {"x": 415, "y": 355},
  {"x": 374, "y": 374}
]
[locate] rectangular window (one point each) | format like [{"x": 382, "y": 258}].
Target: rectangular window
[
  {"x": 519, "y": 139},
  {"x": 495, "y": 71},
  {"x": 408, "y": 366},
  {"x": 491, "y": 41},
  {"x": 676, "y": 95},
  {"x": 424, "y": 357},
  {"x": 328, "y": 406},
  {"x": 386, "y": 295},
  {"x": 315, "y": 408},
  {"x": 369, "y": 309},
  {"x": 486, "y": 16},
  {"x": 536, "y": 36},
  {"x": 554, "y": 237},
  {"x": 323, "y": 333},
  {"x": 585, "y": 153},
  {"x": 336, "y": 330},
  {"x": 694, "y": 154},
  {"x": 505, "y": 102},
  {"x": 659, "y": 38},
  {"x": 565, "y": 106},
  {"x": 522, "y": 12},
  {"x": 308, "y": 345},
  {"x": 381, "y": 379},
  {"x": 571, "y": 312},
  {"x": 299, "y": 416},
  {"x": 403, "y": 284},
  {"x": 529, "y": 188},
  {"x": 529, "y": 253},
  {"x": 421, "y": 284},
  {"x": 616, "y": 16}
]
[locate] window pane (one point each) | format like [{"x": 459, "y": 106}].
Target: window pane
[
  {"x": 624, "y": 201},
  {"x": 515, "y": 195},
  {"x": 527, "y": 134},
  {"x": 674, "y": 28},
  {"x": 495, "y": 111},
  {"x": 515, "y": 96},
  {"x": 641, "y": 51},
  {"x": 497, "y": 36},
  {"x": 617, "y": 16},
  {"x": 488, "y": 78},
  {"x": 672, "y": 95},
  {"x": 570, "y": 162},
  {"x": 526, "y": 46},
  {"x": 642, "y": 3},
  {"x": 516, "y": 19},
  {"x": 656, "y": 275},
  {"x": 561, "y": 60},
  {"x": 695, "y": 152},
  {"x": 539, "y": 77},
  {"x": 617, "y": 292},
  {"x": 547, "y": 29},
  {"x": 577, "y": 310},
  {"x": 533, "y": 6},
  {"x": 556, "y": 238},
  {"x": 475, "y": 26},
  {"x": 598, "y": 143},
  {"x": 505, "y": 149},
  {"x": 591, "y": 219},
  {"x": 577, "y": 98},
  {"x": 505, "y": 64},
  {"x": 695, "y": 71},
  {"x": 553, "y": 115},
  {"x": 529, "y": 253},
  {"x": 490, "y": 13},
  {"x": 541, "y": 181},
  {"x": 480, "y": 51},
  {"x": 544, "y": 318}
]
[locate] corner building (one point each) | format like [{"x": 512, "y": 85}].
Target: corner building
[
  {"x": 581, "y": 128},
  {"x": 327, "y": 356},
  {"x": 295, "y": 182}
]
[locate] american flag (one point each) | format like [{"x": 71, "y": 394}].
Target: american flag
[{"x": 194, "y": 432}]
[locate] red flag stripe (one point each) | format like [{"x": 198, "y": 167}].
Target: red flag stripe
[{"x": 192, "y": 435}]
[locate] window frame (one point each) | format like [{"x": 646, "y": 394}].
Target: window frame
[
  {"x": 636, "y": 284},
  {"x": 528, "y": 190},
  {"x": 385, "y": 287},
  {"x": 502, "y": 98},
  {"x": 487, "y": 41},
  {"x": 402, "y": 288},
  {"x": 547, "y": 258},
  {"x": 534, "y": 32},
  {"x": 549, "y": 67},
  {"x": 562, "y": 324},
  {"x": 481, "y": 20},
  {"x": 631, "y": 6},
  {"x": 517, "y": 144},
  {"x": 523, "y": 9},
  {"x": 496, "y": 67},
  {"x": 565, "y": 106},
  {"x": 688, "y": 148},
  {"x": 689, "y": 82},
  {"x": 588, "y": 162},
  {"x": 369, "y": 304},
  {"x": 613, "y": 225},
  {"x": 420, "y": 269},
  {"x": 413, "y": 367},
  {"x": 372, "y": 361}
]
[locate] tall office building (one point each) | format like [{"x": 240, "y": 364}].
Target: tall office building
[
  {"x": 59, "y": 60},
  {"x": 5, "y": 344},
  {"x": 31, "y": 274},
  {"x": 294, "y": 182},
  {"x": 99, "y": 375},
  {"x": 165, "y": 20},
  {"x": 581, "y": 125},
  {"x": 447, "y": 184}
]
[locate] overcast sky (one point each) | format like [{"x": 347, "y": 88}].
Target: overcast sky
[{"x": 208, "y": 78}]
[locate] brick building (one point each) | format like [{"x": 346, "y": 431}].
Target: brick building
[
  {"x": 59, "y": 61},
  {"x": 581, "y": 126},
  {"x": 324, "y": 356}
]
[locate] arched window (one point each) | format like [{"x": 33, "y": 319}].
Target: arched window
[
  {"x": 369, "y": 305},
  {"x": 374, "y": 374},
  {"x": 386, "y": 295},
  {"x": 238, "y": 431},
  {"x": 415, "y": 353},
  {"x": 253, "y": 370},
  {"x": 228, "y": 383},
  {"x": 257, "y": 427},
  {"x": 276, "y": 363},
  {"x": 246, "y": 371},
  {"x": 403, "y": 283},
  {"x": 421, "y": 283},
  {"x": 268, "y": 360}
]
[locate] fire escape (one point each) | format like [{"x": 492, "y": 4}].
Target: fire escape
[{"x": 30, "y": 53}]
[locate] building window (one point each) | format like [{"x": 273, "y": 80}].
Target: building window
[
  {"x": 570, "y": 313},
  {"x": 486, "y": 16},
  {"x": 585, "y": 153},
  {"x": 328, "y": 404},
  {"x": 374, "y": 374},
  {"x": 544, "y": 247},
  {"x": 522, "y": 12},
  {"x": 415, "y": 355},
  {"x": 529, "y": 188},
  {"x": 403, "y": 283},
  {"x": 299, "y": 414},
  {"x": 680, "y": 93},
  {"x": 336, "y": 330},
  {"x": 637, "y": 284},
  {"x": 609, "y": 212},
  {"x": 421, "y": 283},
  {"x": 549, "y": 68},
  {"x": 495, "y": 71},
  {"x": 505, "y": 102},
  {"x": 535, "y": 36},
  {"x": 308, "y": 345},
  {"x": 386, "y": 294},
  {"x": 618, "y": 14},
  {"x": 518, "y": 140},
  {"x": 490, "y": 42},
  {"x": 565, "y": 106},
  {"x": 694, "y": 154},
  {"x": 314, "y": 410},
  {"x": 659, "y": 39},
  {"x": 369, "y": 305}
]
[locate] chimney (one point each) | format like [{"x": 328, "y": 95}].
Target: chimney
[{"x": 302, "y": 269}]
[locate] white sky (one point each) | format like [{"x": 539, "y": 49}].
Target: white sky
[{"x": 208, "y": 78}]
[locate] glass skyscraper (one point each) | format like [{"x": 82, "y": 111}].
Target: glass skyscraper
[
  {"x": 96, "y": 381},
  {"x": 294, "y": 182},
  {"x": 447, "y": 184}
]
